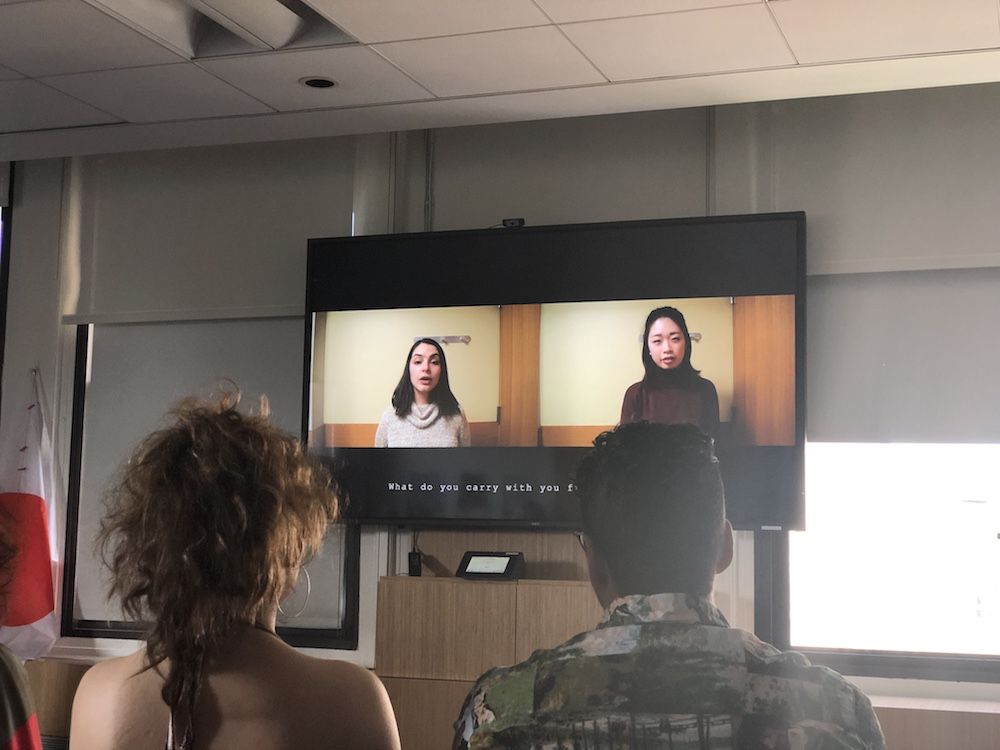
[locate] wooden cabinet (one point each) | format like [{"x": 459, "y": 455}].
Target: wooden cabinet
[
  {"x": 436, "y": 636},
  {"x": 443, "y": 628},
  {"x": 550, "y": 612},
  {"x": 425, "y": 710},
  {"x": 53, "y": 686}
]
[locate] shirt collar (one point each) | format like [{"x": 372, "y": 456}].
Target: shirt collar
[{"x": 641, "y": 608}]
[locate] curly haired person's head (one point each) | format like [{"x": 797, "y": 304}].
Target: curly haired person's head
[
  {"x": 206, "y": 528},
  {"x": 654, "y": 509}
]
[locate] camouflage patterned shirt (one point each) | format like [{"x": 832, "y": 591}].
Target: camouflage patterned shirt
[{"x": 666, "y": 671}]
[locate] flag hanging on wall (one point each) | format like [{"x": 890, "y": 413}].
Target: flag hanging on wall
[{"x": 28, "y": 495}]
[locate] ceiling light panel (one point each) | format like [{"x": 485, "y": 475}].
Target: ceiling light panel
[
  {"x": 28, "y": 105},
  {"x": 832, "y": 30},
  {"x": 362, "y": 78},
  {"x": 497, "y": 61},
  {"x": 158, "y": 93},
  {"x": 77, "y": 38},
  {"x": 565, "y": 11},
  {"x": 173, "y": 22},
  {"x": 677, "y": 44},
  {"x": 390, "y": 20},
  {"x": 266, "y": 24}
]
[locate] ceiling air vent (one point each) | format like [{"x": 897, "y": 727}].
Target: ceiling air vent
[
  {"x": 210, "y": 28},
  {"x": 261, "y": 25}
]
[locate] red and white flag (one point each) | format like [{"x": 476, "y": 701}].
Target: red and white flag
[{"x": 29, "y": 485}]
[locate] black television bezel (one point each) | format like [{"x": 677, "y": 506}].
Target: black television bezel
[{"x": 716, "y": 256}]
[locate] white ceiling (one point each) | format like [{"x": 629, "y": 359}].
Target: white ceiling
[{"x": 86, "y": 76}]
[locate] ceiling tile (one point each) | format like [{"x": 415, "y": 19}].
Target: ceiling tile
[
  {"x": 362, "y": 78},
  {"x": 390, "y": 20},
  {"x": 29, "y": 105},
  {"x": 694, "y": 42},
  {"x": 69, "y": 36},
  {"x": 518, "y": 60},
  {"x": 6, "y": 74},
  {"x": 159, "y": 92},
  {"x": 564, "y": 11},
  {"x": 828, "y": 30}
]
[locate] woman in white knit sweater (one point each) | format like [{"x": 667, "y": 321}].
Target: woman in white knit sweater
[{"x": 424, "y": 411}]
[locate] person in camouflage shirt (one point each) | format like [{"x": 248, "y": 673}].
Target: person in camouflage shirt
[{"x": 663, "y": 670}]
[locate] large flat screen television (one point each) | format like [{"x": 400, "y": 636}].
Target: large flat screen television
[{"x": 539, "y": 336}]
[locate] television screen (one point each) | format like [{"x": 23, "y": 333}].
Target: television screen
[{"x": 458, "y": 377}]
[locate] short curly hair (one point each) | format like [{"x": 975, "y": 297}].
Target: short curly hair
[
  {"x": 205, "y": 525},
  {"x": 653, "y": 506}
]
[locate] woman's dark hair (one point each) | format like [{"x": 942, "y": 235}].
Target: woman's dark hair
[
  {"x": 8, "y": 551},
  {"x": 402, "y": 397},
  {"x": 684, "y": 368},
  {"x": 205, "y": 526}
]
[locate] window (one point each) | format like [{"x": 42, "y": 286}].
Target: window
[
  {"x": 902, "y": 552},
  {"x": 127, "y": 377},
  {"x": 898, "y": 571}
]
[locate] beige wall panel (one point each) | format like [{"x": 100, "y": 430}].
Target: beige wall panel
[
  {"x": 549, "y": 613},
  {"x": 53, "y": 685},
  {"x": 317, "y": 380},
  {"x": 590, "y": 355},
  {"x": 366, "y": 351},
  {"x": 443, "y": 629},
  {"x": 426, "y": 710},
  {"x": 910, "y": 729}
]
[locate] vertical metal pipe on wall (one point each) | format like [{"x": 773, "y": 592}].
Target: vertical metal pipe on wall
[
  {"x": 428, "y": 180},
  {"x": 373, "y": 204},
  {"x": 6, "y": 195},
  {"x": 379, "y": 207}
]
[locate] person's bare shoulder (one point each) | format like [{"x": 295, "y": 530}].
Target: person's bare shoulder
[
  {"x": 118, "y": 705},
  {"x": 96, "y": 701},
  {"x": 363, "y": 714}
]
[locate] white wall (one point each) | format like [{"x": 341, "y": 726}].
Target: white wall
[
  {"x": 207, "y": 229},
  {"x": 901, "y": 181},
  {"x": 891, "y": 183},
  {"x": 608, "y": 168},
  {"x": 905, "y": 180},
  {"x": 33, "y": 330}
]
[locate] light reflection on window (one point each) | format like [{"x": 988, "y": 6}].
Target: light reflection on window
[{"x": 901, "y": 551}]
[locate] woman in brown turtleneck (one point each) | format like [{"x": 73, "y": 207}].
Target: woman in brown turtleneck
[{"x": 672, "y": 391}]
